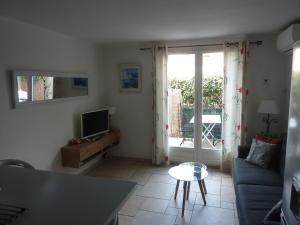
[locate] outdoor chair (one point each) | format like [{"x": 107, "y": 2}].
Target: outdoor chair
[{"x": 185, "y": 127}]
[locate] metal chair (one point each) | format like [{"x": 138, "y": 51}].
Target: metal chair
[
  {"x": 185, "y": 127},
  {"x": 15, "y": 163}
]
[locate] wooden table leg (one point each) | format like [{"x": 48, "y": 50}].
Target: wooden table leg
[
  {"x": 176, "y": 189},
  {"x": 184, "y": 196},
  {"x": 188, "y": 190},
  {"x": 202, "y": 191},
  {"x": 204, "y": 186}
]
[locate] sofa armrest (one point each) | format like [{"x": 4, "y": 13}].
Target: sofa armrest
[{"x": 243, "y": 151}]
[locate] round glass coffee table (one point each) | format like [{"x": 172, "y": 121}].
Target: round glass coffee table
[{"x": 188, "y": 172}]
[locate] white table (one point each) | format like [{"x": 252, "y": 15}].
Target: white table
[
  {"x": 208, "y": 123},
  {"x": 188, "y": 172}
]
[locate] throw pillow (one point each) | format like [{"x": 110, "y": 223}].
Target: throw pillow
[
  {"x": 274, "y": 213},
  {"x": 270, "y": 140},
  {"x": 260, "y": 153},
  {"x": 276, "y": 158}
]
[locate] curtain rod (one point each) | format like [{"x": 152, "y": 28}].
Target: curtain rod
[{"x": 207, "y": 45}]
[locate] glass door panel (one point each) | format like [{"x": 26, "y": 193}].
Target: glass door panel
[
  {"x": 181, "y": 97},
  {"x": 212, "y": 97}
]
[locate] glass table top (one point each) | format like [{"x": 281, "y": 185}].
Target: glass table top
[{"x": 189, "y": 171}]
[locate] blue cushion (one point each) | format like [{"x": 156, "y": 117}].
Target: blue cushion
[
  {"x": 255, "y": 201},
  {"x": 247, "y": 173}
]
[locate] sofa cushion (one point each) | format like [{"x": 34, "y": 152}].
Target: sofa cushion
[
  {"x": 281, "y": 166},
  {"x": 246, "y": 173},
  {"x": 276, "y": 158},
  {"x": 243, "y": 151},
  {"x": 255, "y": 201},
  {"x": 270, "y": 140},
  {"x": 261, "y": 153}
]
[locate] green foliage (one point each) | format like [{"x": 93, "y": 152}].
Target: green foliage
[
  {"x": 187, "y": 89},
  {"x": 212, "y": 91},
  {"x": 22, "y": 77},
  {"x": 39, "y": 77},
  {"x": 25, "y": 77}
]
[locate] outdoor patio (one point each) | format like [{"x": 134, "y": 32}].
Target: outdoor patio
[{"x": 189, "y": 143}]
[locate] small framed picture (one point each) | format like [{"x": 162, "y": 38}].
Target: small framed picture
[
  {"x": 130, "y": 77},
  {"x": 80, "y": 83}
]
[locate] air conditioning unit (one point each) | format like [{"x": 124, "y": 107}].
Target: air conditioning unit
[{"x": 288, "y": 37}]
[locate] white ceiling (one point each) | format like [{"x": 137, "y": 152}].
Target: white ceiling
[{"x": 110, "y": 21}]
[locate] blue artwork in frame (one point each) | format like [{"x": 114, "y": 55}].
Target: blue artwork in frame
[
  {"x": 81, "y": 83},
  {"x": 130, "y": 77}
]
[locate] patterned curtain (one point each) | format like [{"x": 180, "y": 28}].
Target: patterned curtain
[
  {"x": 160, "y": 105},
  {"x": 235, "y": 100}
]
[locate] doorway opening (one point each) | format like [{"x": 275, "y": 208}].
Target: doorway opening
[
  {"x": 195, "y": 97},
  {"x": 181, "y": 93},
  {"x": 212, "y": 99}
]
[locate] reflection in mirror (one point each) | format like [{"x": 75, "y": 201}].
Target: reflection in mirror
[
  {"x": 22, "y": 88},
  {"x": 70, "y": 87},
  {"x": 33, "y": 86},
  {"x": 42, "y": 88}
]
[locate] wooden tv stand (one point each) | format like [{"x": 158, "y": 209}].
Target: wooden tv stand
[{"x": 75, "y": 155}]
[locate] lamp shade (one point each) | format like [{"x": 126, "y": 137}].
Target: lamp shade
[{"x": 268, "y": 107}]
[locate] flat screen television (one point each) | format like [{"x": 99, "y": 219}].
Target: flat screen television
[{"x": 94, "y": 123}]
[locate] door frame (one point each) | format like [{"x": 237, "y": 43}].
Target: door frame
[
  {"x": 197, "y": 153},
  {"x": 207, "y": 156},
  {"x": 179, "y": 153}
]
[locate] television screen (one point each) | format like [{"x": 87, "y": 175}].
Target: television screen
[{"x": 93, "y": 123}]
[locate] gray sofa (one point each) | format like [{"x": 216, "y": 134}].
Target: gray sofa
[{"x": 257, "y": 189}]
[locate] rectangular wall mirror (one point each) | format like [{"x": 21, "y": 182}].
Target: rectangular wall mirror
[{"x": 35, "y": 86}]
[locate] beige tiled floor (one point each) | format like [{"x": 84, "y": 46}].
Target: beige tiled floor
[{"x": 152, "y": 202}]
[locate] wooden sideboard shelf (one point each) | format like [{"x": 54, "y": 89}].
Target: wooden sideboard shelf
[{"x": 75, "y": 155}]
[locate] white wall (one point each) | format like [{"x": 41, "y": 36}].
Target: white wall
[
  {"x": 288, "y": 87},
  {"x": 134, "y": 114},
  {"x": 37, "y": 133},
  {"x": 266, "y": 62},
  {"x": 133, "y": 110}
]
